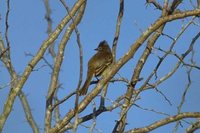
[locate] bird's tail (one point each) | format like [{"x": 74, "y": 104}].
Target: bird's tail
[{"x": 84, "y": 89}]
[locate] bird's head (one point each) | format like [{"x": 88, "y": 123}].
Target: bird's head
[{"x": 103, "y": 46}]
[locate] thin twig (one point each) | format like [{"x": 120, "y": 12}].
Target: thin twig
[
  {"x": 115, "y": 104},
  {"x": 161, "y": 59},
  {"x": 174, "y": 5},
  {"x": 91, "y": 130},
  {"x": 49, "y": 27},
  {"x": 151, "y": 110},
  {"x": 118, "y": 26},
  {"x": 43, "y": 58},
  {"x": 28, "y": 113},
  {"x": 7, "y": 28},
  {"x": 81, "y": 63},
  {"x": 4, "y": 52},
  {"x": 63, "y": 100},
  {"x": 156, "y": 4},
  {"x": 184, "y": 93}
]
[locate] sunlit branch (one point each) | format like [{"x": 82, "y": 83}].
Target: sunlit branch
[
  {"x": 123, "y": 60},
  {"x": 57, "y": 66},
  {"x": 193, "y": 127},
  {"x": 81, "y": 64},
  {"x": 12, "y": 95},
  {"x": 120, "y": 125},
  {"x": 161, "y": 59},
  {"x": 165, "y": 121}
]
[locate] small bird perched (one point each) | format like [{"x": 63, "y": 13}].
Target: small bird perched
[{"x": 97, "y": 64}]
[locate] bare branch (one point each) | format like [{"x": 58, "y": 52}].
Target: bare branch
[
  {"x": 28, "y": 113},
  {"x": 94, "y": 118},
  {"x": 58, "y": 62},
  {"x": 115, "y": 67},
  {"x": 97, "y": 112},
  {"x": 185, "y": 91},
  {"x": 81, "y": 62},
  {"x": 4, "y": 52},
  {"x": 120, "y": 125},
  {"x": 49, "y": 27},
  {"x": 10, "y": 100},
  {"x": 7, "y": 28},
  {"x": 152, "y": 110},
  {"x": 163, "y": 58},
  {"x": 193, "y": 127},
  {"x": 174, "y": 5},
  {"x": 165, "y": 121},
  {"x": 14, "y": 79},
  {"x": 118, "y": 25},
  {"x": 156, "y": 4},
  {"x": 198, "y": 3},
  {"x": 165, "y": 97},
  {"x": 13, "y": 82},
  {"x": 155, "y": 46},
  {"x": 63, "y": 100}
]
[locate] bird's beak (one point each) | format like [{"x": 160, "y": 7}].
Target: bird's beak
[{"x": 96, "y": 49}]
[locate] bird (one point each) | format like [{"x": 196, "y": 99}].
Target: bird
[{"x": 97, "y": 64}]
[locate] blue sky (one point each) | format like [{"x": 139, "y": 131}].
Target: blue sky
[{"x": 27, "y": 31}]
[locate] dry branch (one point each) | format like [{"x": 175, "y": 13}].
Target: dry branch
[
  {"x": 13, "y": 93},
  {"x": 115, "y": 67},
  {"x": 165, "y": 121}
]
